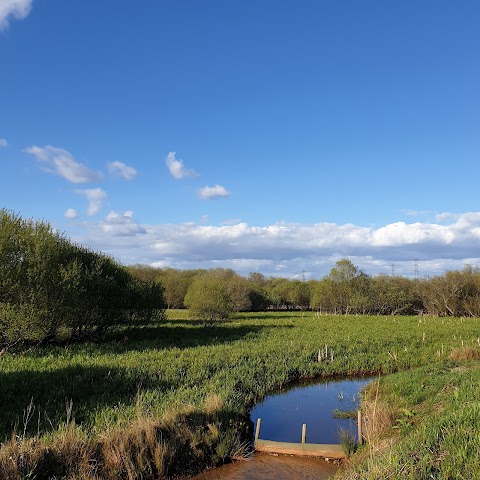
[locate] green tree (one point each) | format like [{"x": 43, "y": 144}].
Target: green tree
[
  {"x": 208, "y": 299},
  {"x": 350, "y": 287},
  {"x": 50, "y": 287},
  {"x": 257, "y": 293}
]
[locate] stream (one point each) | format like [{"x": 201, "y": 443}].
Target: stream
[{"x": 283, "y": 414}]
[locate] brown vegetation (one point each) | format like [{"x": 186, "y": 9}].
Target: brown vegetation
[{"x": 148, "y": 449}]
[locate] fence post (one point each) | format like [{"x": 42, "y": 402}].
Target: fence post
[
  {"x": 304, "y": 433},
  {"x": 359, "y": 424},
  {"x": 257, "y": 430}
]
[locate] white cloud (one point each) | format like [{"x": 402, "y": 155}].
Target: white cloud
[
  {"x": 95, "y": 197},
  {"x": 286, "y": 249},
  {"x": 18, "y": 9},
  {"x": 120, "y": 169},
  {"x": 400, "y": 233},
  {"x": 121, "y": 224},
  {"x": 71, "y": 213},
  {"x": 209, "y": 193},
  {"x": 3, "y": 142},
  {"x": 61, "y": 162},
  {"x": 177, "y": 169}
]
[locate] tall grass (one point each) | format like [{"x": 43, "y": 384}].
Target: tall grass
[
  {"x": 427, "y": 424},
  {"x": 185, "y": 389}
]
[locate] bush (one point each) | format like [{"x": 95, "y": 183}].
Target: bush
[
  {"x": 51, "y": 287},
  {"x": 208, "y": 299}
]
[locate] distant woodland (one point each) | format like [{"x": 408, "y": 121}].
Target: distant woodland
[
  {"x": 345, "y": 290},
  {"x": 51, "y": 289}
]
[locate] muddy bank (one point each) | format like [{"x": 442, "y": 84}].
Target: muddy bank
[{"x": 268, "y": 467}]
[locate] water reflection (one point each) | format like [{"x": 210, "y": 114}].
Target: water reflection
[{"x": 284, "y": 412}]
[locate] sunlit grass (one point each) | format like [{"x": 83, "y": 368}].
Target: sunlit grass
[
  {"x": 164, "y": 372},
  {"x": 432, "y": 428}
]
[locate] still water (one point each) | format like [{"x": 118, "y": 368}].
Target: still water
[{"x": 283, "y": 414}]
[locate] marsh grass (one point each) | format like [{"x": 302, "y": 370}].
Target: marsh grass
[
  {"x": 344, "y": 413},
  {"x": 173, "y": 398},
  {"x": 425, "y": 425},
  {"x": 348, "y": 442},
  {"x": 465, "y": 353}
]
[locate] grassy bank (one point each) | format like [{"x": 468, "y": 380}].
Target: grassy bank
[
  {"x": 423, "y": 423},
  {"x": 170, "y": 399}
]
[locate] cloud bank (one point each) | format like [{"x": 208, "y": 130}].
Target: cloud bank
[
  {"x": 61, "y": 162},
  {"x": 286, "y": 249},
  {"x": 17, "y": 9}
]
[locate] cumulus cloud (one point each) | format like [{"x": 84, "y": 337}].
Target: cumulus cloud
[
  {"x": 95, "y": 197},
  {"x": 121, "y": 224},
  {"x": 61, "y": 162},
  {"x": 71, "y": 213},
  {"x": 3, "y": 143},
  {"x": 177, "y": 169},
  {"x": 17, "y": 9},
  {"x": 120, "y": 169},
  {"x": 286, "y": 249},
  {"x": 209, "y": 193}
]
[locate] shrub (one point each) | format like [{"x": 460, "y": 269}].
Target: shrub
[
  {"x": 208, "y": 299},
  {"x": 51, "y": 287}
]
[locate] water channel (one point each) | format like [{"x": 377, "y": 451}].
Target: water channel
[{"x": 283, "y": 414}]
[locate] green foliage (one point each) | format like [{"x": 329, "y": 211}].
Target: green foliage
[
  {"x": 455, "y": 293},
  {"x": 404, "y": 419},
  {"x": 344, "y": 413},
  {"x": 347, "y": 440},
  {"x": 159, "y": 371},
  {"x": 51, "y": 288},
  {"x": 346, "y": 290},
  {"x": 175, "y": 284},
  {"x": 208, "y": 299},
  {"x": 435, "y": 433}
]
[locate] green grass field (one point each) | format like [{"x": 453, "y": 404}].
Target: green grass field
[{"x": 191, "y": 387}]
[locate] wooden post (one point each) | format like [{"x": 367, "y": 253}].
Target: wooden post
[
  {"x": 304, "y": 433},
  {"x": 359, "y": 424},
  {"x": 257, "y": 430}
]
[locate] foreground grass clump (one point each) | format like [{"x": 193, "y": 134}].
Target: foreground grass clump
[
  {"x": 172, "y": 399},
  {"x": 426, "y": 424}
]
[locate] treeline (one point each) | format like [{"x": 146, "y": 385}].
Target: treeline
[
  {"x": 51, "y": 288},
  {"x": 214, "y": 294}
]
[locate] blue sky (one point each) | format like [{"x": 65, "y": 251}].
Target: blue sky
[{"x": 271, "y": 136}]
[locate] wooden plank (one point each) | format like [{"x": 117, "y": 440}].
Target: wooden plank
[
  {"x": 359, "y": 424},
  {"x": 257, "y": 430},
  {"x": 300, "y": 449}
]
